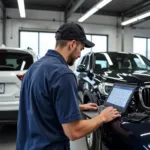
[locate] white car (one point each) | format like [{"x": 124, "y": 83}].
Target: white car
[{"x": 14, "y": 62}]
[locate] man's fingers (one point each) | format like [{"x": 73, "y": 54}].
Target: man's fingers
[
  {"x": 117, "y": 115},
  {"x": 94, "y": 107},
  {"x": 93, "y": 104}
]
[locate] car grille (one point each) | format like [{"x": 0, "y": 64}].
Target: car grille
[{"x": 144, "y": 94}]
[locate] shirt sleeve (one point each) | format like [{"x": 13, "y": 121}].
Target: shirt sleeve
[{"x": 65, "y": 97}]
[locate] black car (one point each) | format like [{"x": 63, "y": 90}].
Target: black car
[{"x": 96, "y": 74}]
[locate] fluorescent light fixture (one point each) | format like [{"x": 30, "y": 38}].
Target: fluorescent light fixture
[
  {"x": 145, "y": 134},
  {"x": 144, "y": 16},
  {"x": 94, "y": 9},
  {"x": 101, "y": 4},
  {"x": 136, "y": 18},
  {"x": 21, "y": 6},
  {"x": 129, "y": 21}
]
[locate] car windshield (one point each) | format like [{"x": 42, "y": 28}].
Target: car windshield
[
  {"x": 121, "y": 61},
  {"x": 15, "y": 61}
]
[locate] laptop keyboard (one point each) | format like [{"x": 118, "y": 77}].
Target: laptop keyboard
[{"x": 100, "y": 108}]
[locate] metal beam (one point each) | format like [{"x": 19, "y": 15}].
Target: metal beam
[
  {"x": 74, "y": 7},
  {"x": 39, "y": 7},
  {"x": 136, "y": 8},
  {"x": 122, "y": 36},
  {"x": 102, "y": 12},
  {"x": 4, "y": 26},
  {"x": 3, "y": 10},
  {"x": 1, "y": 4}
]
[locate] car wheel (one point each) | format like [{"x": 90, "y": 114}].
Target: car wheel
[{"x": 93, "y": 140}]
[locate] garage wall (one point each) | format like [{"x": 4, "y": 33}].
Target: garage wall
[
  {"x": 130, "y": 33},
  {"x": 141, "y": 30},
  {"x": 50, "y": 21},
  {"x": 36, "y": 20}
]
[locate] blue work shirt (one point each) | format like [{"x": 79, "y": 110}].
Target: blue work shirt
[{"x": 48, "y": 99}]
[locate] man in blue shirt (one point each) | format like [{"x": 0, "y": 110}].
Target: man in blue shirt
[{"x": 49, "y": 114}]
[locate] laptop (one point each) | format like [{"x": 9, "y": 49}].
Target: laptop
[{"x": 119, "y": 97}]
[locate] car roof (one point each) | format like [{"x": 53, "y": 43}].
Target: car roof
[
  {"x": 114, "y": 52},
  {"x": 110, "y": 53},
  {"x": 28, "y": 50}
]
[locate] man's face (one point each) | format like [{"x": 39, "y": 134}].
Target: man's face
[{"x": 75, "y": 53}]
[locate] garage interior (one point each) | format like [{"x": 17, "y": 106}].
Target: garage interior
[{"x": 119, "y": 26}]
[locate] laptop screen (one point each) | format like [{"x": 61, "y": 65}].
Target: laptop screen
[{"x": 120, "y": 96}]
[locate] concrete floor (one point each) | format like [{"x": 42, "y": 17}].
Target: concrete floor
[{"x": 8, "y": 139}]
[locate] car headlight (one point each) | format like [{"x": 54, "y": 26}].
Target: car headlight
[{"x": 105, "y": 88}]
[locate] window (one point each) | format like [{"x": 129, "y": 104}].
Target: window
[
  {"x": 100, "y": 62},
  {"x": 100, "y": 43},
  {"x": 40, "y": 42},
  {"x": 15, "y": 61},
  {"x": 139, "y": 63},
  {"x": 29, "y": 39},
  {"x": 142, "y": 46},
  {"x": 47, "y": 41}
]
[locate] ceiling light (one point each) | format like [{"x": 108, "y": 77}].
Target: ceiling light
[
  {"x": 145, "y": 134},
  {"x": 94, "y": 9},
  {"x": 137, "y": 18},
  {"x": 129, "y": 21},
  {"x": 144, "y": 16},
  {"x": 102, "y": 3},
  {"x": 21, "y": 6}
]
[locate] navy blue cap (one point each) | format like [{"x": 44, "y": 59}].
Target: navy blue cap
[{"x": 73, "y": 31}]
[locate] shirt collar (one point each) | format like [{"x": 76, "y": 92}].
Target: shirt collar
[{"x": 54, "y": 53}]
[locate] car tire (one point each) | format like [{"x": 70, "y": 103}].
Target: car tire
[{"x": 93, "y": 140}]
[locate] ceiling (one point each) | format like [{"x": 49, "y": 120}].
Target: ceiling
[{"x": 115, "y": 8}]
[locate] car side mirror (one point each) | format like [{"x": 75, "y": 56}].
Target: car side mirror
[{"x": 81, "y": 68}]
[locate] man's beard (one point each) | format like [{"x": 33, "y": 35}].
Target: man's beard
[{"x": 71, "y": 60}]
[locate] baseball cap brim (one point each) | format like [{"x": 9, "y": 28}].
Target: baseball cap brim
[{"x": 88, "y": 43}]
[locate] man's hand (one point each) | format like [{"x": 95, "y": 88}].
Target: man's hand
[
  {"x": 109, "y": 114},
  {"x": 89, "y": 106}
]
